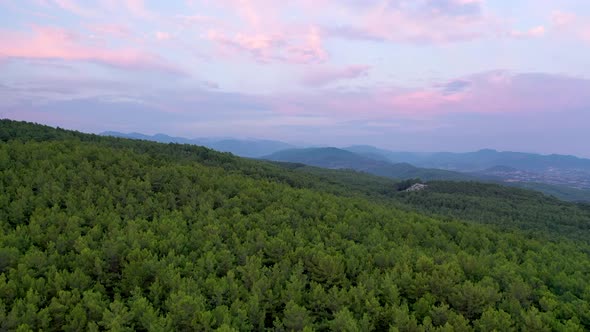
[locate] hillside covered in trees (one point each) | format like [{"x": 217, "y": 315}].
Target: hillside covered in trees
[
  {"x": 335, "y": 158},
  {"x": 101, "y": 233}
]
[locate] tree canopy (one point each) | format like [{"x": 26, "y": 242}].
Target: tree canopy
[{"x": 113, "y": 234}]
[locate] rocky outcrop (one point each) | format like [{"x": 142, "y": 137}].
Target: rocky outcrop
[{"x": 417, "y": 187}]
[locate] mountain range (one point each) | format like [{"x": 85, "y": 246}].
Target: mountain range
[
  {"x": 243, "y": 148},
  {"x": 479, "y": 160},
  {"x": 335, "y": 158},
  {"x": 510, "y": 167},
  {"x": 566, "y": 177}
]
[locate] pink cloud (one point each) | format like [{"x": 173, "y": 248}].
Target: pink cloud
[
  {"x": 500, "y": 92},
  {"x": 559, "y": 18},
  {"x": 530, "y": 92},
  {"x": 138, "y": 8},
  {"x": 162, "y": 36},
  {"x": 415, "y": 22},
  {"x": 424, "y": 22},
  {"x": 496, "y": 92},
  {"x": 195, "y": 19},
  {"x": 571, "y": 25},
  {"x": 248, "y": 11},
  {"x": 387, "y": 104},
  {"x": 262, "y": 47},
  {"x": 420, "y": 21},
  {"x": 535, "y": 32},
  {"x": 309, "y": 50},
  {"x": 110, "y": 30},
  {"x": 56, "y": 43},
  {"x": 261, "y": 32},
  {"x": 104, "y": 8},
  {"x": 323, "y": 76},
  {"x": 421, "y": 102},
  {"x": 74, "y": 8},
  {"x": 278, "y": 47},
  {"x": 255, "y": 14}
]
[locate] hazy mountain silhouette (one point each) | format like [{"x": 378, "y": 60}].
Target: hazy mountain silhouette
[
  {"x": 243, "y": 148},
  {"x": 342, "y": 159}
]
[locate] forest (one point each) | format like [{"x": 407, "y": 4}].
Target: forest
[{"x": 111, "y": 234}]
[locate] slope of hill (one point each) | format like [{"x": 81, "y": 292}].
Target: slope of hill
[
  {"x": 550, "y": 185},
  {"x": 562, "y": 192},
  {"x": 100, "y": 233},
  {"x": 243, "y": 148},
  {"x": 342, "y": 159},
  {"x": 501, "y": 205},
  {"x": 487, "y": 203}
]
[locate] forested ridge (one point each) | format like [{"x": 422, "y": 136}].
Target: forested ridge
[
  {"x": 112, "y": 234},
  {"x": 509, "y": 208}
]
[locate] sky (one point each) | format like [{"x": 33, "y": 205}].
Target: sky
[{"x": 406, "y": 75}]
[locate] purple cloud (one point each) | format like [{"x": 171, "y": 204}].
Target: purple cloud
[
  {"x": 454, "y": 86},
  {"x": 323, "y": 76},
  {"x": 45, "y": 42}
]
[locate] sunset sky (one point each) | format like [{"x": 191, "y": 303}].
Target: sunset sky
[{"x": 420, "y": 75}]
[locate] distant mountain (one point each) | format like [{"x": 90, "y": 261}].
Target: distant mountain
[
  {"x": 370, "y": 152},
  {"x": 480, "y": 160},
  {"x": 364, "y": 161},
  {"x": 335, "y": 158},
  {"x": 242, "y": 148},
  {"x": 396, "y": 157},
  {"x": 161, "y": 138},
  {"x": 566, "y": 177},
  {"x": 248, "y": 148},
  {"x": 510, "y": 167}
]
